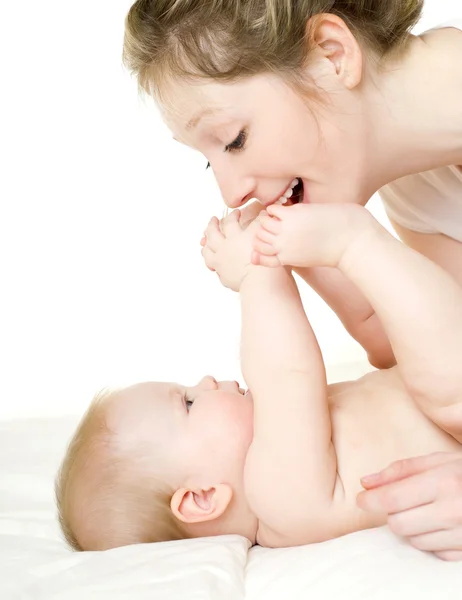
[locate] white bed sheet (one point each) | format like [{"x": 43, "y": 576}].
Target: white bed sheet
[{"x": 35, "y": 563}]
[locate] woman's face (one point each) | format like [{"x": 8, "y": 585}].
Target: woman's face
[{"x": 259, "y": 135}]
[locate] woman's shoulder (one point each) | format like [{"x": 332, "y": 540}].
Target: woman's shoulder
[
  {"x": 429, "y": 202},
  {"x": 451, "y": 24},
  {"x": 440, "y": 34},
  {"x": 455, "y": 23}
]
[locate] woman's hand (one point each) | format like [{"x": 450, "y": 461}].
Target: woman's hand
[{"x": 423, "y": 499}]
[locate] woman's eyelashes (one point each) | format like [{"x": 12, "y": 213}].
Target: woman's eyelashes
[
  {"x": 208, "y": 166},
  {"x": 238, "y": 143}
]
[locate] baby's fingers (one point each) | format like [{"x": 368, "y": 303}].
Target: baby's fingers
[
  {"x": 231, "y": 224},
  {"x": 213, "y": 234},
  {"x": 209, "y": 257}
]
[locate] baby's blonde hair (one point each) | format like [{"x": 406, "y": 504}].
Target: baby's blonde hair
[
  {"x": 106, "y": 499},
  {"x": 229, "y": 39}
]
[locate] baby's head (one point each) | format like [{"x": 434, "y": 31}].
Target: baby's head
[{"x": 156, "y": 462}]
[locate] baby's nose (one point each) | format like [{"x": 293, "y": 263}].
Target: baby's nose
[
  {"x": 231, "y": 386},
  {"x": 210, "y": 382}
]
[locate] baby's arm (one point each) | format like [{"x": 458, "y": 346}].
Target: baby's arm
[
  {"x": 291, "y": 468},
  {"x": 344, "y": 298},
  {"x": 418, "y": 303}
]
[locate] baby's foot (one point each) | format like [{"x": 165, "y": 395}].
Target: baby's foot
[{"x": 281, "y": 238}]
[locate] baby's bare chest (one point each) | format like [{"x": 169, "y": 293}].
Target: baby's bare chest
[{"x": 376, "y": 422}]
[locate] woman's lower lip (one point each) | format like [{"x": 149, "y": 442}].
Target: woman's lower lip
[{"x": 305, "y": 199}]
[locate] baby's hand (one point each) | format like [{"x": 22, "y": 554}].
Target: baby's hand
[
  {"x": 250, "y": 212},
  {"x": 308, "y": 235},
  {"x": 227, "y": 248}
]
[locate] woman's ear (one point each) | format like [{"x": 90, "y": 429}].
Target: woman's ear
[
  {"x": 198, "y": 506},
  {"x": 336, "y": 43}
]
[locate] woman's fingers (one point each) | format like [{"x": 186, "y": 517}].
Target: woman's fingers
[
  {"x": 450, "y": 555},
  {"x": 444, "y": 541},
  {"x": 399, "y": 495},
  {"x": 406, "y": 468},
  {"x": 417, "y": 521}
]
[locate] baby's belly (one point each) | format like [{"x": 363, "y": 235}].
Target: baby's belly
[{"x": 376, "y": 422}]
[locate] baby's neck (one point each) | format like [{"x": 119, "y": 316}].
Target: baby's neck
[{"x": 237, "y": 520}]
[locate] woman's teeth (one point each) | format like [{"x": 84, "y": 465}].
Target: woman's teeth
[{"x": 288, "y": 193}]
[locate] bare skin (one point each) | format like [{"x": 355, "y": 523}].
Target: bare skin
[{"x": 334, "y": 434}]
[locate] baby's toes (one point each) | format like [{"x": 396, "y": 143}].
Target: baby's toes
[
  {"x": 264, "y": 261},
  {"x": 270, "y": 224},
  {"x": 263, "y": 247},
  {"x": 265, "y": 236}
]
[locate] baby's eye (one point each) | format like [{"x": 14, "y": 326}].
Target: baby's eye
[{"x": 188, "y": 404}]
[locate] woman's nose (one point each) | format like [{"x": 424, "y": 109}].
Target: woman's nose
[
  {"x": 238, "y": 201},
  {"x": 235, "y": 191}
]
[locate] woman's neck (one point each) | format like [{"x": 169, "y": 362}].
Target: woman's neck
[{"x": 414, "y": 106}]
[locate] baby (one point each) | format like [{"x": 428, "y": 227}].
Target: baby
[{"x": 281, "y": 463}]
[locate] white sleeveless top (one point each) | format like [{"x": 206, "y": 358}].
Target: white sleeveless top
[{"x": 429, "y": 202}]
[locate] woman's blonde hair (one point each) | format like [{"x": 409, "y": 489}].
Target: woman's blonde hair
[
  {"x": 105, "y": 499},
  {"x": 229, "y": 39}
]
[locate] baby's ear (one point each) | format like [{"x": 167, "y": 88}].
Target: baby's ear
[{"x": 198, "y": 506}]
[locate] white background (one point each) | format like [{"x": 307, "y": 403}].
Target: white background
[{"x": 101, "y": 276}]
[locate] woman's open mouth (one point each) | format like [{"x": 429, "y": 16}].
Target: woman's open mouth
[
  {"x": 297, "y": 195},
  {"x": 294, "y": 193}
]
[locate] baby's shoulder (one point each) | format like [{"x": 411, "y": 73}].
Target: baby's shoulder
[{"x": 371, "y": 385}]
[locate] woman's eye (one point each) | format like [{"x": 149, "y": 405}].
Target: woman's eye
[
  {"x": 238, "y": 143},
  {"x": 208, "y": 166},
  {"x": 188, "y": 404}
]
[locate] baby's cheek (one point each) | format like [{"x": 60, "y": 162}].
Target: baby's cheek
[{"x": 240, "y": 421}]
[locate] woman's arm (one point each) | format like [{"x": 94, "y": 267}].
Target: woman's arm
[{"x": 442, "y": 250}]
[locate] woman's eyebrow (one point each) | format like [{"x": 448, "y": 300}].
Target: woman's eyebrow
[{"x": 194, "y": 121}]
